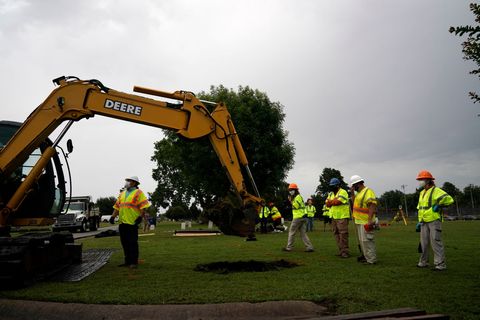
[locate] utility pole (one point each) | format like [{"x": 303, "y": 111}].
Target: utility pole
[
  {"x": 471, "y": 196},
  {"x": 405, "y": 199}
]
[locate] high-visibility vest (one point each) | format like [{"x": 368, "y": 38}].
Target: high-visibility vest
[
  {"x": 264, "y": 212},
  {"x": 360, "y": 205},
  {"x": 275, "y": 214},
  {"x": 429, "y": 198},
  {"x": 298, "y": 207},
  {"x": 326, "y": 211},
  {"x": 310, "y": 211},
  {"x": 341, "y": 211},
  {"x": 129, "y": 205}
]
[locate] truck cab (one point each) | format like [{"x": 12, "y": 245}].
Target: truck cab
[{"x": 78, "y": 215}]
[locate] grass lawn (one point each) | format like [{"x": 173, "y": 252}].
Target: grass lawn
[{"x": 167, "y": 274}]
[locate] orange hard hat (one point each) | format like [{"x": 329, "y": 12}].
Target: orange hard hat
[
  {"x": 292, "y": 186},
  {"x": 424, "y": 174}
]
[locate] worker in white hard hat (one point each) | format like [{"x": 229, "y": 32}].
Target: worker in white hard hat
[
  {"x": 130, "y": 207},
  {"x": 364, "y": 211}
]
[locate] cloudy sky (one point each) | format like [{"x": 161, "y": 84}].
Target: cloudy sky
[{"x": 376, "y": 88}]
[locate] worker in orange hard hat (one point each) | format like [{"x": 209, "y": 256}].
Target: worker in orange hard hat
[
  {"x": 430, "y": 203},
  {"x": 299, "y": 221}
]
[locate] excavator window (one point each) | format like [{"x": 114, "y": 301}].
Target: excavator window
[{"x": 48, "y": 198}]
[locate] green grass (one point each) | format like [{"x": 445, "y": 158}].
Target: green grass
[{"x": 167, "y": 274}]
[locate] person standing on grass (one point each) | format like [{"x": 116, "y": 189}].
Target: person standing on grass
[
  {"x": 364, "y": 212},
  {"x": 337, "y": 202},
  {"x": 310, "y": 210},
  {"x": 299, "y": 221},
  {"x": 430, "y": 203},
  {"x": 130, "y": 207}
]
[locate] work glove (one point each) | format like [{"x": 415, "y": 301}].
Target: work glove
[
  {"x": 368, "y": 227},
  {"x": 418, "y": 227},
  {"x": 138, "y": 220},
  {"x": 112, "y": 220},
  {"x": 436, "y": 208}
]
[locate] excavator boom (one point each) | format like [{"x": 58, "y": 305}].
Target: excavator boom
[{"x": 76, "y": 99}]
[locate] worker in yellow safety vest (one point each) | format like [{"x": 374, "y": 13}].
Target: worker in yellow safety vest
[
  {"x": 364, "y": 212},
  {"x": 311, "y": 211},
  {"x": 430, "y": 203},
  {"x": 130, "y": 208},
  {"x": 263, "y": 214},
  {"x": 326, "y": 215},
  {"x": 276, "y": 217},
  {"x": 339, "y": 209},
  {"x": 299, "y": 221}
]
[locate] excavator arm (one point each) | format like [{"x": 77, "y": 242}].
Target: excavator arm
[{"x": 76, "y": 99}]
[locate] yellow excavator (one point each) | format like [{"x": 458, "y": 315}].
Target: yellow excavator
[{"x": 32, "y": 182}]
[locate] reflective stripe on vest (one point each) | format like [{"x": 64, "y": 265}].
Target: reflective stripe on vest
[
  {"x": 361, "y": 213},
  {"x": 341, "y": 211},
  {"x": 128, "y": 210}
]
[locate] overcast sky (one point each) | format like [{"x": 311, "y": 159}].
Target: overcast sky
[{"x": 375, "y": 88}]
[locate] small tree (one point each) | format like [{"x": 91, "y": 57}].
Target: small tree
[
  {"x": 324, "y": 179},
  {"x": 105, "y": 205},
  {"x": 178, "y": 213}
]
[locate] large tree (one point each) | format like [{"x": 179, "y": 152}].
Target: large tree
[
  {"x": 105, "y": 205},
  {"x": 190, "y": 170},
  {"x": 326, "y": 176},
  {"x": 471, "y": 47}
]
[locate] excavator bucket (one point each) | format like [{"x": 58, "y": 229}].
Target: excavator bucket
[{"x": 233, "y": 219}]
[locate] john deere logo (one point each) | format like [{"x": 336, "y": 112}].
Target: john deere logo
[{"x": 123, "y": 107}]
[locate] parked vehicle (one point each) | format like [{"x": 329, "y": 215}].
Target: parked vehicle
[
  {"x": 469, "y": 217},
  {"x": 78, "y": 215}
]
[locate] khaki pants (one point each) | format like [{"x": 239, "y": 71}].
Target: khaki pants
[
  {"x": 431, "y": 234},
  {"x": 367, "y": 243},
  {"x": 298, "y": 224},
  {"x": 340, "y": 232}
]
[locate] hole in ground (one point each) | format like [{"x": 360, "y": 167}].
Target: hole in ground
[{"x": 225, "y": 267}]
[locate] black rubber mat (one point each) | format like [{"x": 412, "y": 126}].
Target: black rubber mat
[{"x": 92, "y": 260}]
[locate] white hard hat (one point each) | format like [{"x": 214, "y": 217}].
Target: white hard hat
[
  {"x": 133, "y": 178},
  {"x": 355, "y": 179}
]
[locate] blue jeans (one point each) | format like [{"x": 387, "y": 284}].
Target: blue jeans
[{"x": 310, "y": 224}]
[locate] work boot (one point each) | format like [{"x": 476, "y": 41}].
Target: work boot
[
  {"x": 309, "y": 250},
  {"x": 133, "y": 266},
  {"x": 361, "y": 259},
  {"x": 345, "y": 255},
  {"x": 422, "y": 265},
  {"x": 286, "y": 249}
]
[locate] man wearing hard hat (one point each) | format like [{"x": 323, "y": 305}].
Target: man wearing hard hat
[
  {"x": 430, "y": 204},
  {"x": 130, "y": 207},
  {"x": 364, "y": 211},
  {"x": 339, "y": 209}
]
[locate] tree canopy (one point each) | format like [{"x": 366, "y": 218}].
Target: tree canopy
[
  {"x": 471, "y": 47},
  {"x": 189, "y": 170},
  {"x": 326, "y": 176},
  {"x": 105, "y": 205}
]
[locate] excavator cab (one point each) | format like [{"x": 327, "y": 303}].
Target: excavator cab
[{"x": 46, "y": 199}]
